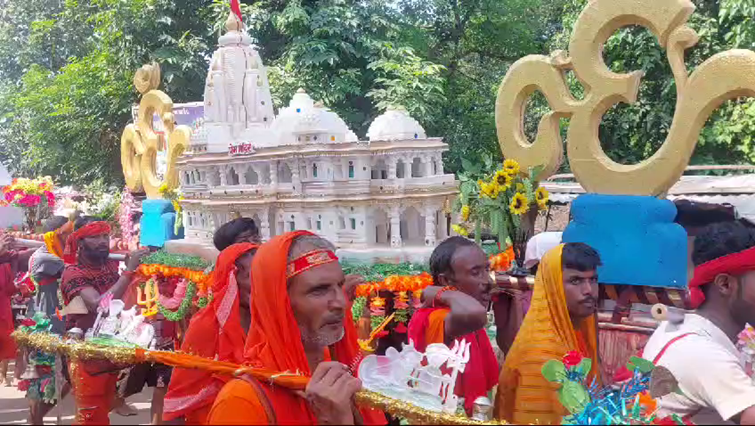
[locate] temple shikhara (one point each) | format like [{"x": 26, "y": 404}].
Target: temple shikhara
[{"x": 305, "y": 169}]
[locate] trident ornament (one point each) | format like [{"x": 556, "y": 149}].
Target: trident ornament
[{"x": 148, "y": 298}]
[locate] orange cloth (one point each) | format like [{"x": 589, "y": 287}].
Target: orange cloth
[
  {"x": 8, "y": 347},
  {"x": 274, "y": 342},
  {"x": 214, "y": 332},
  {"x": 524, "y": 395},
  {"x": 94, "y": 395}
]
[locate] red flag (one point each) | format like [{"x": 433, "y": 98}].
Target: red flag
[{"x": 236, "y": 9}]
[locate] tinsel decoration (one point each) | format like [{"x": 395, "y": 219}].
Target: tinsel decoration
[
  {"x": 176, "y": 260},
  {"x": 377, "y": 311},
  {"x": 357, "y": 308},
  {"x": 401, "y": 309},
  {"x": 202, "y": 302},
  {"x": 126, "y": 220},
  {"x": 129, "y": 356},
  {"x": 183, "y": 308}
]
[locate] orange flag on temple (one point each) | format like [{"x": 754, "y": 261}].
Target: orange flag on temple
[{"x": 236, "y": 9}]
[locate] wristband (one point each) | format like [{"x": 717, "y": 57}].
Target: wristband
[{"x": 444, "y": 289}]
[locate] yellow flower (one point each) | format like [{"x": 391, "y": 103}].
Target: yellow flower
[
  {"x": 519, "y": 204},
  {"x": 542, "y": 196},
  {"x": 460, "y": 230},
  {"x": 511, "y": 167},
  {"x": 490, "y": 189},
  {"x": 503, "y": 179},
  {"x": 519, "y": 187},
  {"x": 163, "y": 188},
  {"x": 465, "y": 213}
]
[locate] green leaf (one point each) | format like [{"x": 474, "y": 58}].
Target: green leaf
[
  {"x": 642, "y": 364},
  {"x": 573, "y": 396},
  {"x": 584, "y": 366},
  {"x": 554, "y": 371}
]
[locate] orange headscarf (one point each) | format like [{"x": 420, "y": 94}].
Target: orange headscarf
[
  {"x": 274, "y": 340},
  {"x": 524, "y": 395},
  {"x": 214, "y": 332}
]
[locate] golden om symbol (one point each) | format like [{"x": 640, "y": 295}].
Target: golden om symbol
[
  {"x": 724, "y": 76},
  {"x": 140, "y": 143}
]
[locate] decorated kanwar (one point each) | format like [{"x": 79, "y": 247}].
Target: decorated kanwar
[{"x": 330, "y": 234}]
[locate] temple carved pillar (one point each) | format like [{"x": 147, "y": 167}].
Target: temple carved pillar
[
  {"x": 395, "y": 219},
  {"x": 430, "y": 232}
]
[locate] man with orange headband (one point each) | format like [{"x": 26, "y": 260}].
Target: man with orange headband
[
  {"x": 561, "y": 319},
  {"x": 300, "y": 323},
  {"x": 88, "y": 278},
  {"x": 700, "y": 349},
  {"x": 218, "y": 331},
  {"x": 456, "y": 309}
]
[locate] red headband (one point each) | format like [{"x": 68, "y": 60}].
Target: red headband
[
  {"x": 89, "y": 230},
  {"x": 733, "y": 264},
  {"x": 309, "y": 260}
]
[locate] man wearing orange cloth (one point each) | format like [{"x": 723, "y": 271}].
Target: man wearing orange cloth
[
  {"x": 11, "y": 262},
  {"x": 561, "y": 319},
  {"x": 300, "y": 323},
  {"x": 88, "y": 278},
  {"x": 456, "y": 309},
  {"x": 218, "y": 331}
]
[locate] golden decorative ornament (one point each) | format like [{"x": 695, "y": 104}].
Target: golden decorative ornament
[
  {"x": 140, "y": 143},
  {"x": 147, "y": 78},
  {"x": 724, "y": 76}
]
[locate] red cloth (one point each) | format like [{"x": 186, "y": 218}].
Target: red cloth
[
  {"x": 72, "y": 242},
  {"x": 481, "y": 372},
  {"x": 734, "y": 264},
  {"x": 236, "y": 9},
  {"x": 7, "y": 288},
  {"x": 274, "y": 340},
  {"x": 214, "y": 332}
]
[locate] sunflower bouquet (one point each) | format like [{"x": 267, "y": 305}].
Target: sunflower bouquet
[{"x": 506, "y": 202}]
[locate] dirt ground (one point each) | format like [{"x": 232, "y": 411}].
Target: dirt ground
[{"x": 15, "y": 410}]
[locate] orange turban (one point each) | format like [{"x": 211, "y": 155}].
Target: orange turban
[{"x": 274, "y": 340}]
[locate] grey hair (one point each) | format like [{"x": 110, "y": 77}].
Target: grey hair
[{"x": 305, "y": 243}]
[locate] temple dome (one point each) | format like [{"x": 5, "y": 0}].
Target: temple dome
[
  {"x": 304, "y": 121},
  {"x": 395, "y": 124}
]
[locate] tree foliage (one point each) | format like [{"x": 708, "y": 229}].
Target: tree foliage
[{"x": 66, "y": 71}]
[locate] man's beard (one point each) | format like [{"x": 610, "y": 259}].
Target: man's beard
[
  {"x": 98, "y": 256},
  {"x": 320, "y": 338}
]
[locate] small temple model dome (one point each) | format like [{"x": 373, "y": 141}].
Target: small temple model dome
[
  {"x": 395, "y": 124},
  {"x": 304, "y": 121}
]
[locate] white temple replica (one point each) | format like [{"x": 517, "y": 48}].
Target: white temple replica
[{"x": 305, "y": 170}]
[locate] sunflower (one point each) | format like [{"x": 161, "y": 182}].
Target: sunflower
[
  {"x": 541, "y": 196},
  {"x": 460, "y": 230},
  {"x": 519, "y": 204},
  {"x": 490, "y": 189},
  {"x": 503, "y": 178},
  {"x": 465, "y": 213},
  {"x": 511, "y": 167}
]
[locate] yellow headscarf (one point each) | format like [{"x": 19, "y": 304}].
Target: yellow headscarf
[
  {"x": 53, "y": 242},
  {"x": 524, "y": 395}
]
